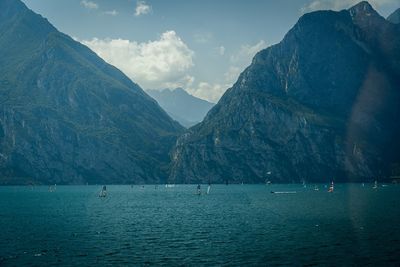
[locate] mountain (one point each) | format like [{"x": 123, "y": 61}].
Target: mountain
[
  {"x": 395, "y": 17},
  {"x": 188, "y": 110},
  {"x": 68, "y": 117},
  {"x": 322, "y": 104}
]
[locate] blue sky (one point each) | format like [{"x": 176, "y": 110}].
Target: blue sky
[{"x": 201, "y": 46}]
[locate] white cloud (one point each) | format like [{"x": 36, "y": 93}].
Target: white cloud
[
  {"x": 202, "y": 38},
  {"x": 210, "y": 92},
  {"x": 221, "y": 50},
  {"x": 154, "y": 64},
  {"x": 111, "y": 12},
  {"x": 165, "y": 63},
  {"x": 239, "y": 61},
  {"x": 89, "y": 4},
  {"x": 341, "y": 4},
  {"x": 142, "y": 8},
  {"x": 232, "y": 74},
  {"x": 247, "y": 52},
  {"x": 184, "y": 82}
]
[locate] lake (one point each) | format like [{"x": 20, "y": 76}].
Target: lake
[{"x": 234, "y": 225}]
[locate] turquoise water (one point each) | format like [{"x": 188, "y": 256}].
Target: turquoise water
[{"x": 233, "y": 225}]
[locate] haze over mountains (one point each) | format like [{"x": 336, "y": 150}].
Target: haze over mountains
[
  {"x": 321, "y": 105},
  {"x": 188, "y": 110},
  {"x": 69, "y": 117}
]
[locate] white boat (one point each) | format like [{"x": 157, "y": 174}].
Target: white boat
[
  {"x": 52, "y": 188},
  {"x": 331, "y": 188},
  {"x": 103, "y": 192},
  {"x": 375, "y": 185}
]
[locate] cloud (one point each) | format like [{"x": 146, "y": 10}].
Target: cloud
[
  {"x": 111, "y": 12},
  {"x": 154, "y": 64},
  {"x": 238, "y": 62},
  {"x": 202, "y": 38},
  {"x": 142, "y": 8},
  {"x": 232, "y": 74},
  {"x": 184, "y": 82},
  {"x": 89, "y": 4},
  {"x": 221, "y": 50},
  {"x": 247, "y": 52},
  {"x": 210, "y": 92},
  {"x": 242, "y": 59},
  {"x": 340, "y": 4}
]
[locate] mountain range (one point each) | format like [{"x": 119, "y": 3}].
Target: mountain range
[
  {"x": 187, "y": 109},
  {"x": 321, "y": 105},
  {"x": 68, "y": 117}
]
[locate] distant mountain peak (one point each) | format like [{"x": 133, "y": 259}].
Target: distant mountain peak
[
  {"x": 182, "y": 106},
  {"x": 395, "y": 17},
  {"x": 179, "y": 90},
  {"x": 363, "y": 6},
  {"x": 363, "y": 9}
]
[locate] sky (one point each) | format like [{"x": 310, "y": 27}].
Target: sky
[{"x": 201, "y": 46}]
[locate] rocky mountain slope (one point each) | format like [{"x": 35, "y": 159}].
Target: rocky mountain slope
[
  {"x": 394, "y": 17},
  {"x": 322, "y": 104},
  {"x": 188, "y": 110},
  {"x": 67, "y": 117}
]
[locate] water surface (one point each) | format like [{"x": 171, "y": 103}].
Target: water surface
[{"x": 233, "y": 225}]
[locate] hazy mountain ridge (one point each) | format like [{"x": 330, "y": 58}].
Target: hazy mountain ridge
[
  {"x": 320, "y": 105},
  {"x": 69, "y": 117},
  {"x": 187, "y": 109}
]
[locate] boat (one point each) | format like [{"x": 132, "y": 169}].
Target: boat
[
  {"x": 103, "y": 192},
  {"x": 375, "y": 185},
  {"x": 331, "y": 188},
  {"x": 304, "y": 184},
  {"x": 268, "y": 181},
  {"x": 209, "y": 187},
  {"x": 316, "y": 188},
  {"x": 283, "y": 192},
  {"x": 52, "y": 188},
  {"x": 198, "y": 191}
]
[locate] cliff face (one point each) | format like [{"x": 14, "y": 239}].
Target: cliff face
[
  {"x": 66, "y": 116},
  {"x": 320, "y": 105}
]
